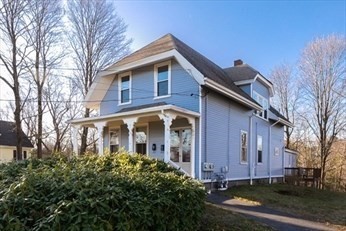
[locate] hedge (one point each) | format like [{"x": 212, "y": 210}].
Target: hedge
[{"x": 110, "y": 192}]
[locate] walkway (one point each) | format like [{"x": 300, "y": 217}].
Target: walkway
[{"x": 273, "y": 218}]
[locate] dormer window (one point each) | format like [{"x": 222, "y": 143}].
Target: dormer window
[
  {"x": 264, "y": 103},
  {"x": 125, "y": 88},
  {"x": 162, "y": 79}
]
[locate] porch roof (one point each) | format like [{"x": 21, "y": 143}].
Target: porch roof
[{"x": 137, "y": 111}]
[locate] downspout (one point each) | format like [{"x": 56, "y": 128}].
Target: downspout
[
  {"x": 269, "y": 151},
  {"x": 250, "y": 151}
]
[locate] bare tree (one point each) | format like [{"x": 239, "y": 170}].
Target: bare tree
[
  {"x": 286, "y": 96},
  {"x": 61, "y": 108},
  {"x": 13, "y": 24},
  {"x": 323, "y": 70},
  {"x": 44, "y": 35},
  {"x": 97, "y": 38}
]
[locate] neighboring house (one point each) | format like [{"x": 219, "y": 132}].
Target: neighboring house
[
  {"x": 8, "y": 142},
  {"x": 168, "y": 101}
]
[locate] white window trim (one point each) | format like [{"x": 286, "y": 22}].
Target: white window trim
[
  {"x": 263, "y": 98},
  {"x": 156, "y": 66},
  {"x": 109, "y": 136},
  {"x": 120, "y": 76},
  {"x": 259, "y": 163},
  {"x": 241, "y": 147}
]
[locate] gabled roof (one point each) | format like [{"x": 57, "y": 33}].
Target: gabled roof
[
  {"x": 8, "y": 136},
  {"x": 206, "y": 67},
  {"x": 244, "y": 73},
  {"x": 241, "y": 72}
]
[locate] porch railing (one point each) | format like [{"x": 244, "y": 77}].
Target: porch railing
[
  {"x": 178, "y": 167},
  {"x": 303, "y": 176}
]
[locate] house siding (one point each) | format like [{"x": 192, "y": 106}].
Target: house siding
[
  {"x": 156, "y": 131},
  {"x": 277, "y": 141},
  {"x": 260, "y": 89},
  {"x": 6, "y": 153},
  {"x": 184, "y": 90},
  {"x": 223, "y": 120},
  {"x": 246, "y": 88}
]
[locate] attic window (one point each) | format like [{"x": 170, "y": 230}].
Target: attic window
[
  {"x": 264, "y": 103},
  {"x": 162, "y": 79}
]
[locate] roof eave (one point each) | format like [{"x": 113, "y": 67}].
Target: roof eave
[{"x": 233, "y": 95}]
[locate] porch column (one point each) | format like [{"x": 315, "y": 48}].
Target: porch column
[
  {"x": 100, "y": 126},
  {"x": 167, "y": 120},
  {"x": 130, "y": 122},
  {"x": 192, "y": 121},
  {"x": 75, "y": 129}
]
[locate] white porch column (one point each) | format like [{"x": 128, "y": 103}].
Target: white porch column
[
  {"x": 75, "y": 129},
  {"x": 192, "y": 121},
  {"x": 167, "y": 120},
  {"x": 100, "y": 126},
  {"x": 130, "y": 122}
]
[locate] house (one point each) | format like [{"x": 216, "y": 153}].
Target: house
[
  {"x": 8, "y": 142},
  {"x": 168, "y": 101},
  {"x": 290, "y": 158}
]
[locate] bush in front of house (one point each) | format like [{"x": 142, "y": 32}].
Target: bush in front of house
[{"x": 111, "y": 192}]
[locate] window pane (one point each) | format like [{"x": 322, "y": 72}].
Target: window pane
[
  {"x": 259, "y": 158},
  {"x": 114, "y": 148},
  {"x": 186, "y": 143},
  {"x": 244, "y": 154},
  {"x": 259, "y": 149},
  {"x": 114, "y": 137},
  {"x": 175, "y": 143},
  {"x": 125, "y": 96},
  {"x": 141, "y": 136},
  {"x": 125, "y": 82},
  {"x": 162, "y": 88},
  {"x": 162, "y": 73}
]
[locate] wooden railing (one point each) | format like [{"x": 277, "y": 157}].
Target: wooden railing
[{"x": 306, "y": 176}]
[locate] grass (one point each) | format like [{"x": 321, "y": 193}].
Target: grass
[
  {"x": 218, "y": 219},
  {"x": 309, "y": 203}
]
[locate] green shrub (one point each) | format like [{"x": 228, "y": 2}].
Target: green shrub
[{"x": 111, "y": 192}]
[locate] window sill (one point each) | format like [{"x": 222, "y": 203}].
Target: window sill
[
  {"x": 127, "y": 103},
  {"x": 261, "y": 117},
  {"x": 161, "y": 97},
  {"x": 244, "y": 163}
]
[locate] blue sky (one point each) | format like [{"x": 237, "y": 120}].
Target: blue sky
[{"x": 262, "y": 33}]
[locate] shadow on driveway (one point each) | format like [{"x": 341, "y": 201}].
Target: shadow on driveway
[{"x": 273, "y": 218}]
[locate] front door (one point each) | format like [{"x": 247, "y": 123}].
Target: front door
[
  {"x": 181, "y": 148},
  {"x": 141, "y": 140}
]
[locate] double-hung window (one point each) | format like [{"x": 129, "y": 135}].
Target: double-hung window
[
  {"x": 243, "y": 147},
  {"x": 125, "y": 88},
  {"x": 264, "y": 103},
  {"x": 259, "y": 149},
  {"x": 162, "y": 79}
]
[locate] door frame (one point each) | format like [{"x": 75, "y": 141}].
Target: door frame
[{"x": 180, "y": 146}]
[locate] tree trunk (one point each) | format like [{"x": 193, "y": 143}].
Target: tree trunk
[{"x": 39, "y": 122}]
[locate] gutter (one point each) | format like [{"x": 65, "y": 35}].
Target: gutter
[{"x": 225, "y": 91}]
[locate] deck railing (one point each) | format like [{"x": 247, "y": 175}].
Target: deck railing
[{"x": 306, "y": 176}]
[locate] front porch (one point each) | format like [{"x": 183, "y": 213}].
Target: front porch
[{"x": 164, "y": 132}]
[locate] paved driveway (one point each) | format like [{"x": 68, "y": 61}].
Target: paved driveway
[{"x": 273, "y": 218}]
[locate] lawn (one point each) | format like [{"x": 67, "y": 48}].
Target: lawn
[
  {"x": 218, "y": 219},
  {"x": 310, "y": 203}
]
